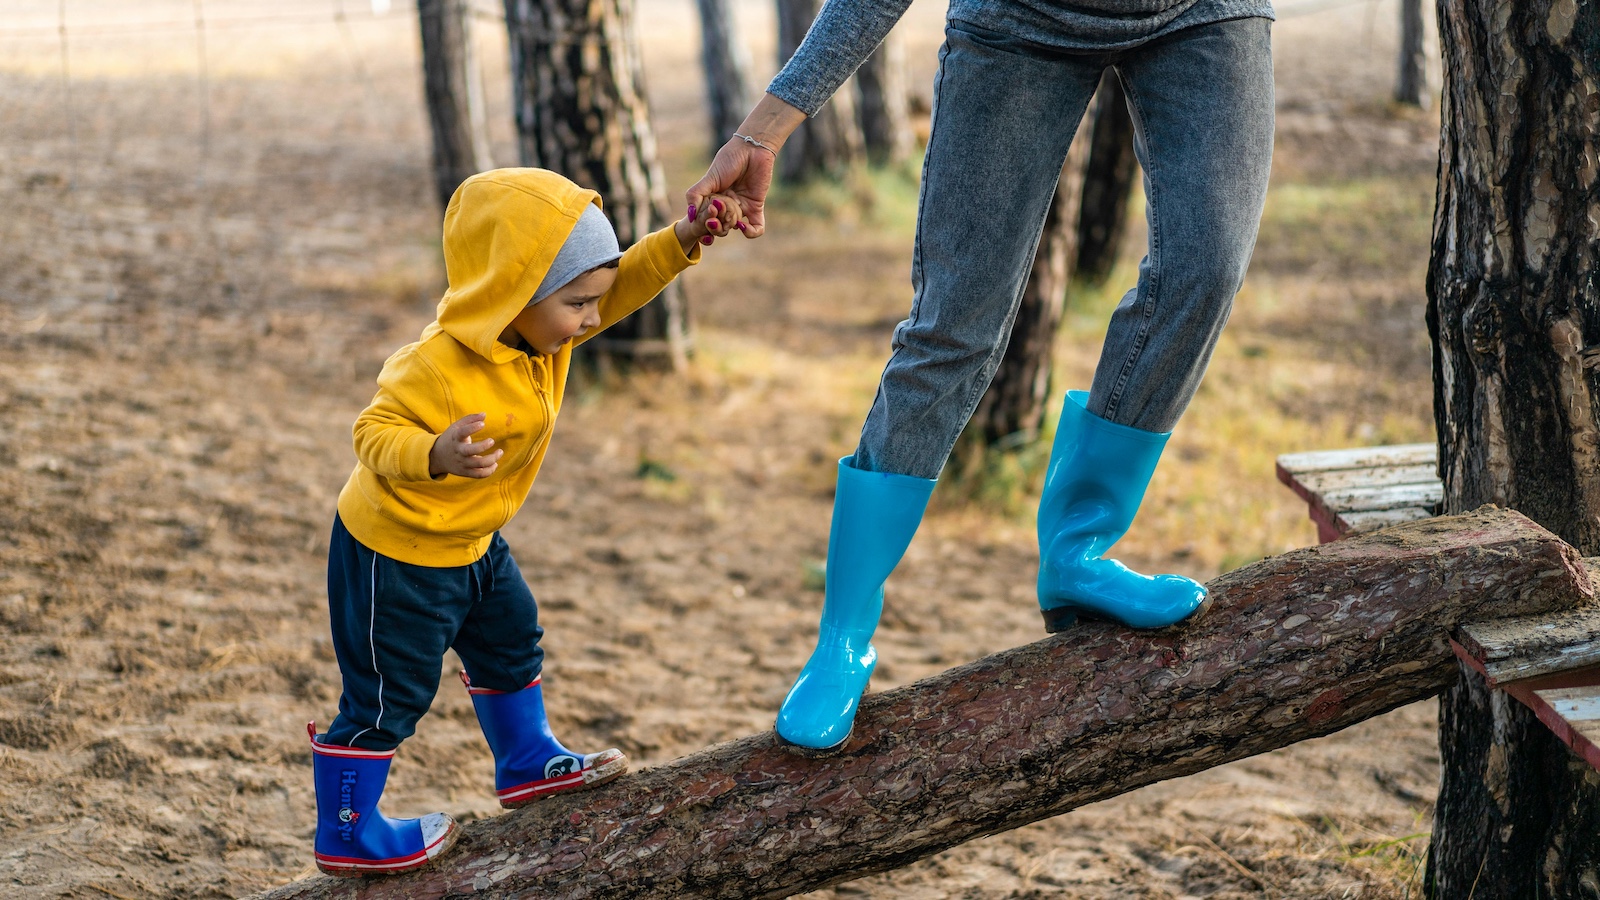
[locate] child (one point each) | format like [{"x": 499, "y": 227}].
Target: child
[{"x": 448, "y": 449}]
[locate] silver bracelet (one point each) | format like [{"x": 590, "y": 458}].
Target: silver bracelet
[{"x": 750, "y": 140}]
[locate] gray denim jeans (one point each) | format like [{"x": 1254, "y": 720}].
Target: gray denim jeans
[{"x": 1005, "y": 111}]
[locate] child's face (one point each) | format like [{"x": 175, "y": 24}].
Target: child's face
[{"x": 568, "y": 313}]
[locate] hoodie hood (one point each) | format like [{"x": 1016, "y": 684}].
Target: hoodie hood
[{"x": 502, "y": 231}]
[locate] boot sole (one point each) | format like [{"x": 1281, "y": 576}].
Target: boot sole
[
  {"x": 1061, "y": 618},
  {"x": 595, "y": 777},
  {"x": 812, "y": 752},
  {"x": 445, "y": 844}
]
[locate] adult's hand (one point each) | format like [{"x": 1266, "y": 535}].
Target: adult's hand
[{"x": 743, "y": 170}]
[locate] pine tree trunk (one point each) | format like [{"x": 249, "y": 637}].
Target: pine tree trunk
[
  {"x": 1411, "y": 85},
  {"x": 884, "y": 110},
  {"x": 455, "y": 105},
  {"x": 830, "y": 141},
  {"x": 581, "y": 111},
  {"x": 1013, "y": 407},
  {"x": 1514, "y": 314},
  {"x": 725, "y": 63},
  {"x": 1107, "y": 183}
]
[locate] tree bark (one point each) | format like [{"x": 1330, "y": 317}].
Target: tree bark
[
  {"x": 581, "y": 111},
  {"x": 1107, "y": 183},
  {"x": 1411, "y": 83},
  {"x": 1297, "y": 646},
  {"x": 1013, "y": 407},
  {"x": 885, "y": 109},
  {"x": 725, "y": 63},
  {"x": 1514, "y": 315},
  {"x": 830, "y": 141},
  {"x": 455, "y": 104}
]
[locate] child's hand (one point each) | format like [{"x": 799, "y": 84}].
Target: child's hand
[
  {"x": 717, "y": 216},
  {"x": 455, "y": 453}
]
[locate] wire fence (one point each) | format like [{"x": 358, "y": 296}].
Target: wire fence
[
  {"x": 129, "y": 162},
  {"x": 64, "y": 28},
  {"x": 70, "y": 39},
  {"x": 288, "y": 14}
]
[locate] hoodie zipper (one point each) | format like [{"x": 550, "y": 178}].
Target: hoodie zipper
[
  {"x": 536, "y": 370},
  {"x": 543, "y": 386}
]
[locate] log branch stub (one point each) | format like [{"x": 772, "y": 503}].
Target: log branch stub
[{"x": 1296, "y": 646}]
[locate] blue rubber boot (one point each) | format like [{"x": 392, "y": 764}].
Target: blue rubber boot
[
  {"x": 1098, "y": 474},
  {"x": 353, "y": 837},
  {"x": 874, "y": 516},
  {"x": 529, "y": 763}
]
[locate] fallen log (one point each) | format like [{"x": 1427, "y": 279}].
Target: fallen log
[{"x": 1295, "y": 647}]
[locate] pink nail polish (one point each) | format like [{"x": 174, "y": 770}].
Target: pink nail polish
[
  {"x": 713, "y": 224},
  {"x": 691, "y": 214},
  {"x": 717, "y": 204},
  {"x": 740, "y": 226},
  {"x": 706, "y": 240}
]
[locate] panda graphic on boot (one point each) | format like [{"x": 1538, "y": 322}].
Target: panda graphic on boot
[{"x": 529, "y": 762}]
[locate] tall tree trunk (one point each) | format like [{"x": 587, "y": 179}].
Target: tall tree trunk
[
  {"x": 829, "y": 141},
  {"x": 1514, "y": 314},
  {"x": 884, "y": 107},
  {"x": 1014, "y": 405},
  {"x": 1411, "y": 85},
  {"x": 455, "y": 103},
  {"x": 725, "y": 62},
  {"x": 1107, "y": 183},
  {"x": 581, "y": 111}
]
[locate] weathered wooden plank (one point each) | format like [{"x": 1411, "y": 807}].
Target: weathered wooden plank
[
  {"x": 1518, "y": 649},
  {"x": 1550, "y": 662},
  {"x": 1363, "y": 522},
  {"x": 1296, "y": 646},
  {"x": 1358, "y": 458},
  {"x": 1341, "y": 486},
  {"x": 1574, "y": 715},
  {"x": 1370, "y": 476},
  {"x": 1393, "y": 496}
]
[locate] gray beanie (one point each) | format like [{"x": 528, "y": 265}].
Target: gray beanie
[{"x": 592, "y": 244}]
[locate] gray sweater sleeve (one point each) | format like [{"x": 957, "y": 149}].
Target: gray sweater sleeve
[{"x": 841, "y": 38}]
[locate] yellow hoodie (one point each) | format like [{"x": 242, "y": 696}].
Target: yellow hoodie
[{"x": 502, "y": 231}]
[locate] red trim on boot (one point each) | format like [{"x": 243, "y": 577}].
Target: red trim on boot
[
  {"x": 522, "y": 794},
  {"x": 478, "y": 690},
  {"x": 346, "y": 865},
  {"x": 336, "y": 750}
]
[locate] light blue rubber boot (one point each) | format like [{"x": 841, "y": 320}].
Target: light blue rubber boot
[
  {"x": 1098, "y": 474},
  {"x": 353, "y": 838},
  {"x": 874, "y": 516}
]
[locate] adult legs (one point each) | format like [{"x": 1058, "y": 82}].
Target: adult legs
[
  {"x": 1004, "y": 115},
  {"x": 1202, "y": 106}
]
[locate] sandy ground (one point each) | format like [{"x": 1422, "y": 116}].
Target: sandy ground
[{"x": 200, "y": 277}]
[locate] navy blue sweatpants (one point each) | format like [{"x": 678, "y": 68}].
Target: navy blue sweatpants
[{"x": 392, "y": 622}]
